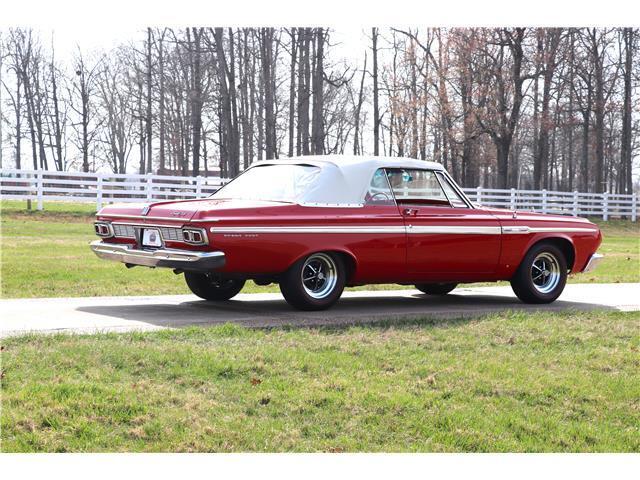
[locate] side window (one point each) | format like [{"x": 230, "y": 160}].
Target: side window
[
  {"x": 416, "y": 187},
  {"x": 379, "y": 192},
  {"x": 451, "y": 193}
]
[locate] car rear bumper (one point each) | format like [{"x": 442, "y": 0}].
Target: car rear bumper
[
  {"x": 593, "y": 262},
  {"x": 166, "y": 258}
]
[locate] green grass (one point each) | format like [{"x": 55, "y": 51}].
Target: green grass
[
  {"x": 46, "y": 254},
  {"x": 507, "y": 382}
]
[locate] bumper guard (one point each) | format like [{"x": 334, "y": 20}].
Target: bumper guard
[{"x": 594, "y": 261}]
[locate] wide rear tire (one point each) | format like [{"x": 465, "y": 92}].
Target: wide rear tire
[
  {"x": 212, "y": 287},
  {"x": 436, "y": 288},
  {"x": 314, "y": 282},
  {"x": 542, "y": 275}
]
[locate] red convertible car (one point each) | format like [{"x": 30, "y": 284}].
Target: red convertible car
[{"x": 314, "y": 225}]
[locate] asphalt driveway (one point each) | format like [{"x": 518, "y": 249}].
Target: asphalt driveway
[{"x": 120, "y": 314}]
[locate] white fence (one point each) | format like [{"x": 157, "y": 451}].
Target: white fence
[
  {"x": 604, "y": 205},
  {"x": 101, "y": 188}
]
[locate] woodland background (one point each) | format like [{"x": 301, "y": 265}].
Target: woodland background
[{"x": 554, "y": 108}]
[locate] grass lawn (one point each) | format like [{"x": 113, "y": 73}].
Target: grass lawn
[
  {"x": 46, "y": 254},
  {"x": 504, "y": 382}
]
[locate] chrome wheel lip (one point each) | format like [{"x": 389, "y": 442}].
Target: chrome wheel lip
[
  {"x": 545, "y": 273},
  {"x": 319, "y": 276}
]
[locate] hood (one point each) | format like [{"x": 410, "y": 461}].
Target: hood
[{"x": 505, "y": 213}]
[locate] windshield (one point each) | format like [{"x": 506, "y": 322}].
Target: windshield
[{"x": 280, "y": 183}]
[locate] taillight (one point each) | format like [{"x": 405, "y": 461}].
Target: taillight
[
  {"x": 103, "y": 229},
  {"x": 194, "y": 236}
]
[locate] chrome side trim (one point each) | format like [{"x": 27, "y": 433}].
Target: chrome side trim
[
  {"x": 169, "y": 258},
  {"x": 524, "y": 229},
  {"x": 562, "y": 229},
  {"x": 319, "y": 229},
  {"x": 202, "y": 220},
  {"x": 460, "y": 230},
  {"x": 594, "y": 261},
  {"x": 410, "y": 229},
  {"x": 516, "y": 230}
]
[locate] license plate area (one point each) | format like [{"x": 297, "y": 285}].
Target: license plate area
[{"x": 150, "y": 237}]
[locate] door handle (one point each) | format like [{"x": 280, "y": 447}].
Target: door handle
[{"x": 407, "y": 212}]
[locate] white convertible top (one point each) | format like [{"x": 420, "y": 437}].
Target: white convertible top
[{"x": 344, "y": 179}]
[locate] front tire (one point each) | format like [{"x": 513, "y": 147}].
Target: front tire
[
  {"x": 436, "y": 288},
  {"x": 315, "y": 282},
  {"x": 212, "y": 287},
  {"x": 542, "y": 275}
]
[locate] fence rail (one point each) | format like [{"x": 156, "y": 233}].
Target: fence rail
[{"x": 101, "y": 188}]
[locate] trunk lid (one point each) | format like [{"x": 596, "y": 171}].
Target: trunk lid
[{"x": 185, "y": 210}]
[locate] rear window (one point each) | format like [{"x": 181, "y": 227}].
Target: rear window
[{"x": 279, "y": 183}]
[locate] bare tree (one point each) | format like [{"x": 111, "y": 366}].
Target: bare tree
[
  {"x": 376, "y": 93},
  {"x": 82, "y": 91}
]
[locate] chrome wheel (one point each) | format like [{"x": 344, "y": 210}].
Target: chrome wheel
[
  {"x": 319, "y": 275},
  {"x": 545, "y": 272}
]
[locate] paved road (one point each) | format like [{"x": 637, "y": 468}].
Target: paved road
[{"x": 119, "y": 314}]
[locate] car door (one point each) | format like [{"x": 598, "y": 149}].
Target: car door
[
  {"x": 381, "y": 248},
  {"x": 445, "y": 234}
]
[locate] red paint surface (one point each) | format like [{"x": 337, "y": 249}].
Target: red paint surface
[{"x": 376, "y": 257}]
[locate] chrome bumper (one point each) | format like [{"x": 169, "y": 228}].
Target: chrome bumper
[
  {"x": 168, "y": 258},
  {"x": 593, "y": 262}
]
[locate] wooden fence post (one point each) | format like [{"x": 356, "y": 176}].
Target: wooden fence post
[
  {"x": 149, "y": 187},
  {"x": 575, "y": 203},
  {"x": 634, "y": 207},
  {"x": 513, "y": 199},
  {"x": 479, "y": 194},
  {"x": 198, "y": 186},
  {"x": 99, "y": 192},
  {"x": 605, "y": 205},
  {"x": 544, "y": 201},
  {"x": 39, "y": 190}
]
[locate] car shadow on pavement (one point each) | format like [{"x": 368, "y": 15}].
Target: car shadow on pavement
[{"x": 348, "y": 311}]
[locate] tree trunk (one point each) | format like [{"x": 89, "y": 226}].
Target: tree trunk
[
  {"x": 502, "y": 150},
  {"x": 356, "y": 134},
  {"x": 292, "y": 92},
  {"x": 376, "y": 109},
  {"x": 317, "y": 127},
  {"x": 626, "y": 158},
  {"x": 57, "y": 128},
  {"x": 148, "y": 116},
  {"x": 266, "y": 47},
  {"x": 161, "y": 105},
  {"x": 304, "y": 91}
]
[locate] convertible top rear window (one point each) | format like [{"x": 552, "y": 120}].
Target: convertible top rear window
[{"x": 280, "y": 183}]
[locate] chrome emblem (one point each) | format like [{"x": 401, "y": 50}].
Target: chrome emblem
[
  {"x": 178, "y": 214},
  {"x": 146, "y": 209}
]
